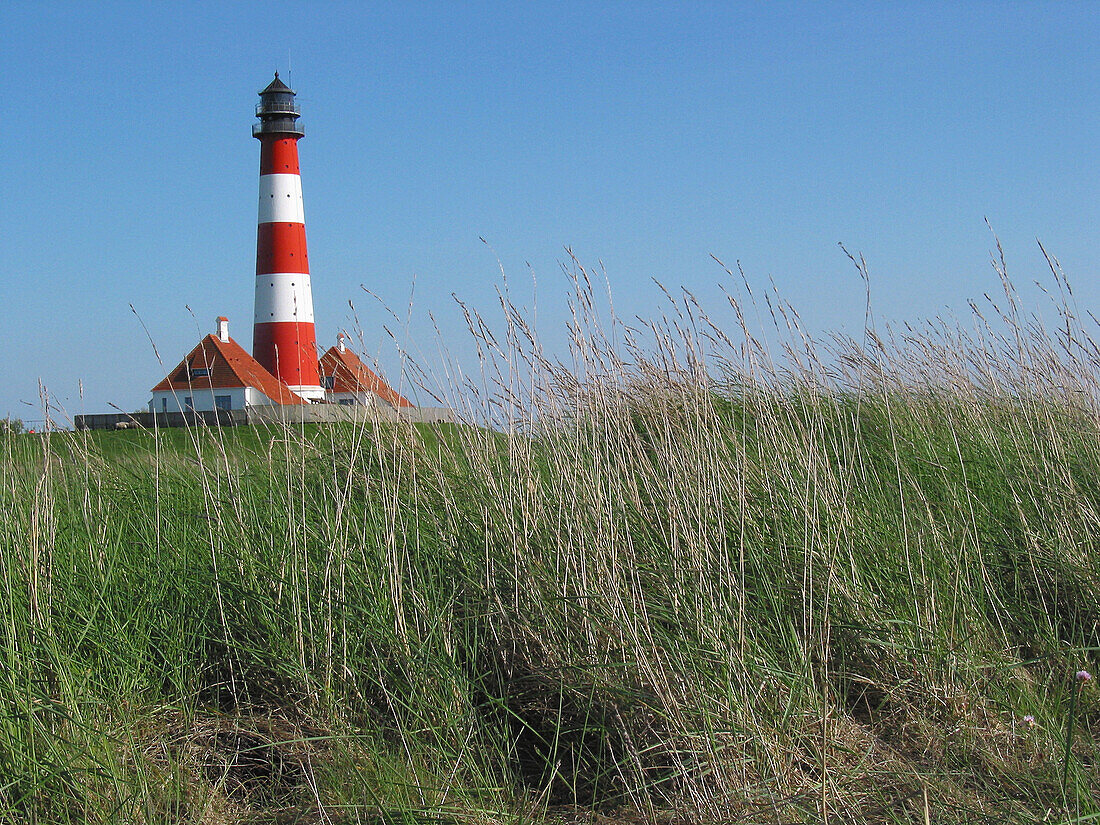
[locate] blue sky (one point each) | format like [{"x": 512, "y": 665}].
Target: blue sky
[{"x": 644, "y": 137}]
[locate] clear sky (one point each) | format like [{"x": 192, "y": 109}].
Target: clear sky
[{"x": 644, "y": 136}]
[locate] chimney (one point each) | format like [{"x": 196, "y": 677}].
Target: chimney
[
  {"x": 223, "y": 329},
  {"x": 340, "y": 342}
]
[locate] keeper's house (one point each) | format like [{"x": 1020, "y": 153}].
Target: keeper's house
[
  {"x": 218, "y": 374},
  {"x": 348, "y": 381}
]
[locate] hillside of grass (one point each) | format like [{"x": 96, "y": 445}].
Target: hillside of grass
[{"x": 678, "y": 580}]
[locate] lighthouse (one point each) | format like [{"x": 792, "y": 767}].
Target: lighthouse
[
  {"x": 283, "y": 337},
  {"x": 218, "y": 382}
]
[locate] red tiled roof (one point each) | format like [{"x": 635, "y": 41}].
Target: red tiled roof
[
  {"x": 230, "y": 366},
  {"x": 349, "y": 374}
]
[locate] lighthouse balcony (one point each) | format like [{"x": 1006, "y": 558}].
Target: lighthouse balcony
[
  {"x": 283, "y": 126},
  {"x": 277, "y": 107}
]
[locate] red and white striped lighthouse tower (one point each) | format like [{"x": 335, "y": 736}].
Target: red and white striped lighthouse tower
[{"x": 283, "y": 339}]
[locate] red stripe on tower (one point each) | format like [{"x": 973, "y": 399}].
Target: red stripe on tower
[{"x": 283, "y": 337}]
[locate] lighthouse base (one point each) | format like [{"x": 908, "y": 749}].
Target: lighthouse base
[{"x": 310, "y": 393}]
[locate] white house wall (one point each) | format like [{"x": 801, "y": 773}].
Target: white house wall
[
  {"x": 255, "y": 398},
  {"x": 349, "y": 397},
  {"x": 201, "y": 399},
  {"x": 365, "y": 399}
]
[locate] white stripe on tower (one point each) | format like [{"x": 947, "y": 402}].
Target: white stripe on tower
[
  {"x": 283, "y": 296},
  {"x": 281, "y": 199}
]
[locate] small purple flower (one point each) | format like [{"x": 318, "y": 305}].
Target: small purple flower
[
  {"x": 1029, "y": 720},
  {"x": 1084, "y": 676}
]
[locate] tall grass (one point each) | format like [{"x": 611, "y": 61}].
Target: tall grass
[{"x": 680, "y": 576}]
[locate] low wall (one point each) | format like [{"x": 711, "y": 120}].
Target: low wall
[
  {"x": 148, "y": 420},
  {"x": 276, "y": 414},
  {"x": 319, "y": 413}
]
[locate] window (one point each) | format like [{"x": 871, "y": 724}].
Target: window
[
  {"x": 164, "y": 404},
  {"x": 329, "y": 381},
  {"x": 346, "y": 402},
  {"x": 223, "y": 402},
  {"x": 187, "y": 405},
  {"x": 203, "y": 372}
]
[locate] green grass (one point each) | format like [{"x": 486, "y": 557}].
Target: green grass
[{"x": 672, "y": 583}]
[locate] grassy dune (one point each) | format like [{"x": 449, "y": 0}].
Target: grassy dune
[{"x": 673, "y": 582}]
